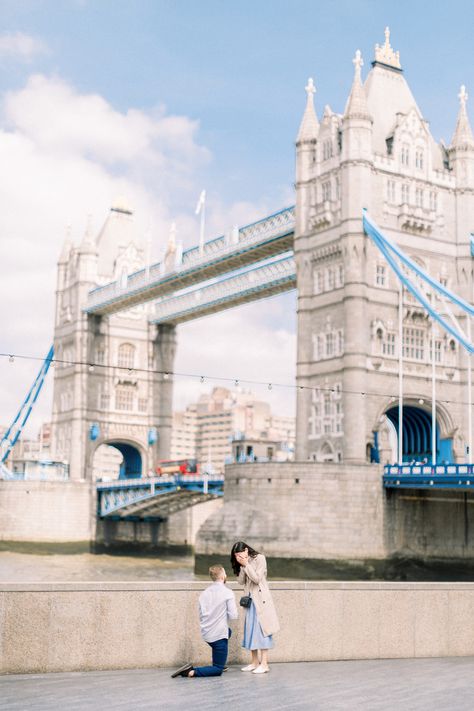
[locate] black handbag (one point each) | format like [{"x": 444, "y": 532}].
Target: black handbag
[{"x": 245, "y": 601}]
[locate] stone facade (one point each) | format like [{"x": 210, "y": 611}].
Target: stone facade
[
  {"x": 107, "y": 394},
  {"x": 378, "y": 154}
]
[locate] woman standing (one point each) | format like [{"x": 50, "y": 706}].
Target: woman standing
[{"x": 261, "y": 620}]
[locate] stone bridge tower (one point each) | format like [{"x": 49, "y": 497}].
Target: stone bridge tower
[
  {"x": 104, "y": 392},
  {"x": 378, "y": 154}
]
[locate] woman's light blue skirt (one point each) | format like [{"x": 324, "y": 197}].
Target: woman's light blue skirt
[{"x": 253, "y": 633}]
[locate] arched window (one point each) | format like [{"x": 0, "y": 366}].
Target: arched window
[{"x": 126, "y": 355}]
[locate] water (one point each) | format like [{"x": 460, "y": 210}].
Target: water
[{"x": 31, "y": 568}]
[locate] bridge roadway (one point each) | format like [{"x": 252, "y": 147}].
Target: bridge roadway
[
  {"x": 156, "y": 497},
  {"x": 246, "y": 246}
]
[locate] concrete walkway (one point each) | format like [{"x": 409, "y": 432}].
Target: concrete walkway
[{"x": 382, "y": 685}]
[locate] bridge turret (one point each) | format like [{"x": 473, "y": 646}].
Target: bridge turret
[
  {"x": 461, "y": 160},
  {"x": 306, "y": 146}
]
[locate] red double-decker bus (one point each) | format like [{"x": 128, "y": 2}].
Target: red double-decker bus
[{"x": 177, "y": 466}]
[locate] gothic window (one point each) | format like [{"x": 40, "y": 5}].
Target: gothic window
[
  {"x": 318, "y": 282},
  {"x": 124, "y": 397},
  {"x": 443, "y": 280},
  {"x": 326, "y": 187},
  {"x": 419, "y": 159},
  {"x": 330, "y": 344},
  {"x": 99, "y": 356},
  {"x": 330, "y": 278},
  {"x": 327, "y": 149},
  {"x": 327, "y": 405},
  {"x": 388, "y": 344},
  {"x": 405, "y": 193},
  {"x": 104, "y": 400},
  {"x": 142, "y": 404},
  {"x": 433, "y": 200},
  {"x": 413, "y": 343},
  {"x": 126, "y": 355},
  {"x": 338, "y": 189},
  {"x": 391, "y": 190},
  {"x": 340, "y": 275},
  {"x": 405, "y": 155},
  {"x": 380, "y": 275},
  {"x": 340, "y": 342},
  {"x": 419, "y": 197},
  {"x": 438, "y": 350}
]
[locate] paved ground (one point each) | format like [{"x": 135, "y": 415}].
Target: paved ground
[{"x": 383, "y": 685}]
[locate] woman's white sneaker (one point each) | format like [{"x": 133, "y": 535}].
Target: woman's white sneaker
[
  {"x": 261, "y": 670},
  {"x": 249, "y": 667}
]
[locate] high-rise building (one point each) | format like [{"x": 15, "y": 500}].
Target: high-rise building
[{"x": 207, "y": 429}]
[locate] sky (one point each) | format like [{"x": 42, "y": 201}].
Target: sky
[{"x": 156, "y": 100}]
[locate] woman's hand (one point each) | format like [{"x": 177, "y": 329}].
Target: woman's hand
[{"x": 242, "y": 558}]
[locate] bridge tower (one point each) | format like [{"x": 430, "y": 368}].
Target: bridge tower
[
  {"x": 378, "y": 154},
  {"x": 104, "y": 392}
]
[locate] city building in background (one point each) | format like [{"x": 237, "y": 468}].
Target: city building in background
[{"x": 231, "y": 425}]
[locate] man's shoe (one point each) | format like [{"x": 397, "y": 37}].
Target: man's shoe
[
  {"x": 182, "y": 671},
  {"x": 225, "y": 669}
]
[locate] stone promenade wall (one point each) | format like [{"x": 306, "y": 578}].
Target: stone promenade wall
[
  {"x": 81, "y": 626},
  {"x": 304, "y": 509}
]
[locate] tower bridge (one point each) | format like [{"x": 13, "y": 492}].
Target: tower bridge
[{"x": 380, "y": 379}]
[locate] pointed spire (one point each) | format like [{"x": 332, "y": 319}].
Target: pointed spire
[
  {"x": 67, "y": 245},
  {"x": 463, "y": 137},
  {"x": 384, "y": 54},
  {"x": 309, "y": 127},
  {"x": 356, "y": 106},
  {"x": 88, "y": 244}
]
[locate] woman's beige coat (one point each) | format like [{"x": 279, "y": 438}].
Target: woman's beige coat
[{"x": 253, "y": 577}]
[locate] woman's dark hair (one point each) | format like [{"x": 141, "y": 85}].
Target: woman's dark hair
[{"x": 239, "y": 547}]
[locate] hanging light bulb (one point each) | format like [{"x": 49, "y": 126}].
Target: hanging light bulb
[
  {"x": 166, "y": 376},
  {"x": 11, "y": 359},
  {"x": 236, "y": 383},
  {"x": 91, "y": 368},
  {"x": 202, "y": 378},
  {"x": 421, "y": 401},
  {"x": 270, "y": 386}
]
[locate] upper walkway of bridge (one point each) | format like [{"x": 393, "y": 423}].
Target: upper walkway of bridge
[{"x": 246, "y": 246}]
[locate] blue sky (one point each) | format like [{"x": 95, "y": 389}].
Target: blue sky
[{"x": 222, "y": 85}]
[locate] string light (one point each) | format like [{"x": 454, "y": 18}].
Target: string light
[
  {"x": 236, "y": 383},
  {"x": 217, "y": 378},
  {"x": 91, "y": 368}
]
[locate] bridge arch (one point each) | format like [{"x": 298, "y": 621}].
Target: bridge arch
[
  {"x": 417, "y": 431},
  {"x": 132, "y": 462}
]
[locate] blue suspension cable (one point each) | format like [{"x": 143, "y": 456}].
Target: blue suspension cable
[{"x": 27, "y": 406}]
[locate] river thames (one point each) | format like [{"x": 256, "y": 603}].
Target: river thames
[{"x": 27, "y": 568}]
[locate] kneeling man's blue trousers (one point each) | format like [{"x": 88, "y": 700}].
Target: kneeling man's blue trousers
[{"x": 219, "y": 658}]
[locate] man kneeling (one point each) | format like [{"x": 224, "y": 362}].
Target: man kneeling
[{"x": 216, "y": 607}]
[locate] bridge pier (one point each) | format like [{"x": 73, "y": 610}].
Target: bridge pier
[{"x": 164, "y": 350}]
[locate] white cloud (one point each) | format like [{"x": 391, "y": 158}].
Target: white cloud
[
  {"x": 66, "y": 155},
  {"x": 18, "y": 45}
]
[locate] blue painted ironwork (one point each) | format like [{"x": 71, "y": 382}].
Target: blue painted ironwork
[
  {"x": 427, "y": 476},
  {"x": 116, "y": 496},
  {"x": 260, "y": 240},
  {"x": 262, "y": 281},
  {"x": 389, "y": 249},
  {"x": 12, "y": 434},
  {"x": 94, "y": 432}
]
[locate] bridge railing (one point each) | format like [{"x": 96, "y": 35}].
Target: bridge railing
[
  {"x": 428, "y": 469},
  {"x": 280, "y": 223},
  {"x": 279, "y": 271}
]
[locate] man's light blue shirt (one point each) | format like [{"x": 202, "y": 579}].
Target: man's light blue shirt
[{"x": 216, "y": 607}]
